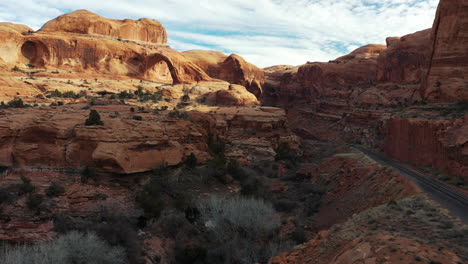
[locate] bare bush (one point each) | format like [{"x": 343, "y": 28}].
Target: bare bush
[
  {"x": 72, "y": 248},
  {"x": 248, "y": 217}
]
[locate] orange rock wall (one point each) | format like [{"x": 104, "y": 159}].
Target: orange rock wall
[
  {"x": 88, "y": 23},
  {"x": 442, "y": 144},
  {"x": 447, "y": 76}
]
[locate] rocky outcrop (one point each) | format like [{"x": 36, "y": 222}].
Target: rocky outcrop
[
  {"x": 337, "y": 78},
  {"x": 233, "y": 69},
  {"x": 236, "y": 95},
  {"x": 88, "y": 23},
  {"x": 442, "y": 144},
  {"x": 385, "y": 234},
  {"x": 207, "y": 60},
  {"x": 99, "y": 50},
  {"x": 405, "y": 60},
  {"x": 446, "y": 79},
  {"x": 39, "y": 138},
  {"x": 58, "y": 138}
]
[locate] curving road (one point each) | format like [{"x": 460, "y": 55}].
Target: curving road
[{"x": 449, "y": 197}]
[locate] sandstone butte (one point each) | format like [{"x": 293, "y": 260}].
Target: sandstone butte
[{"x": 233, "y": 69}]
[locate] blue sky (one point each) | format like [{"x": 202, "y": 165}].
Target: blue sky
[{"x": 265, "y": 32}]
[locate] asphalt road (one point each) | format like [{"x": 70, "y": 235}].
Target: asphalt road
[{"x": 446, "y": 195}]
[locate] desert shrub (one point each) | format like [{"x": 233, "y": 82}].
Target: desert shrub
[
  {"x": 191, "y": 161},
  {"x": 175, "y": 224},
  {"x": 178, "y": 114},
  {"x": 149, "y": 198},
  {"x": 126, "y": 95},
  {"x": 34, "y": 202},
  {"x": 284, "y": 205},
  {"x": 238, "y": 228},
  {"x": 299, "y": 235},
  {"x": 88, "y": 173},
  {"x": 216, "y": 146},
  {"x": 26, "y": 186},
  {"x": 284, "y": 153},
  {"x": 236, "y": 170},
  {"x": 251, "y": 185},
  {"x": 16, "y": 103},
  {"x": 462, "y": 106},
  {"x": 132, "y": 109},
  {"x": 5, "y": 195},
  {"x": 266, "y": 168},
  {"x": 148, "y": 96},
  {"x": 188, "y": 254},
  {"x": 94, "y": 119},
  {"x": 182, "y": 201},
  {"x": 113, "y": 225},
  {"x": 247, "y": 217},
  {"x": 138, "y": 118},
  {"x": 72, "y": 248},
  {"x": 54, "y": 190},
  {"x": 3, "y": 169},
  {"x": 68, "y": 94},
  {"x": 185, "y": 98}
]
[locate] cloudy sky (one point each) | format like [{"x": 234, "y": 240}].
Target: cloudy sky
[{"x": 265, "y": 32}]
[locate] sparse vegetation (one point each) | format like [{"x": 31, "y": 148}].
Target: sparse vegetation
[
  {"x": 178, "y": 114},
  {"x": 16, "y": 103},
  {"x": 71, "y": 248},
  {"x": 285, "y": 153},
  {"x": 68, "y": 94},
  {"x": 137, "y": 117},
  {"x": 26, "y": 186},
  {"x": 191, "y": 161},
  {"x": 150, "y": 200},
  {"x": 54, "y": 190},
  {"x": 34, "y": 202},
  {"x": 94, "y": 119},
  {"x": 88, "y": 173}
]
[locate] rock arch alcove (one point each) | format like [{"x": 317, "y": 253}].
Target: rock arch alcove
[
  {"x": 159, "y": 67},
  {"x": 34, "y": 52}
]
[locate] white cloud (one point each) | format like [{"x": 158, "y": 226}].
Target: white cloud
[{"x": 265, "y": 32}]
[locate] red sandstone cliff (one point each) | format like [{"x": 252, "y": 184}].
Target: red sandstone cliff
[
  {"x": 442, "y": 144},
  {"x": 233, "y": 69},
  {"x": 88, "y": 23},
  {"x": 446, "y": 78},
  {"x": 101, "y": 48}
]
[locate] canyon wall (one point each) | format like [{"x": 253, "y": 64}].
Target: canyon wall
[
  {"x": 442, "y": 144},
  {"x": 88, "y": 23},
  {"x": 233, "y": 69},
  {"x": 446, "y": 79},
  {"x": 353, "y": 98}
]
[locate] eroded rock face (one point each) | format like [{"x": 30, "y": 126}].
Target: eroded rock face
[
  {"x": 448, "y": 70},
  {"x": 100, "y": 49},
  {"x": 35, "y": 138},
  {"x": 366, "y": 250},
  {"x": 88, "y": 23},
  {"x": 337, "y": 79},
  {"x": 233, "y": 69},
  {"x": 47, "y": 138},
  {"x": 442, "y": 144},
  {"x": 405, "y": 60}
]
